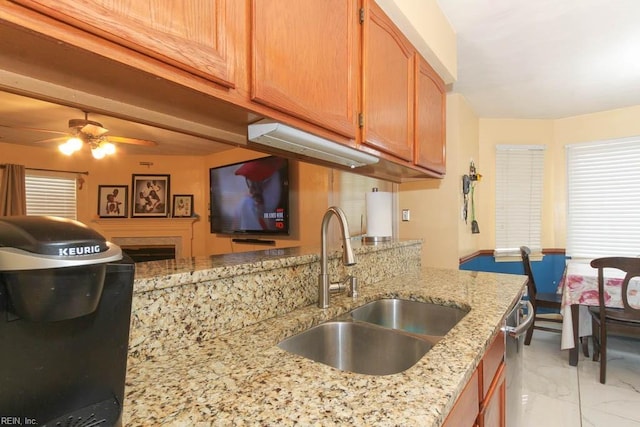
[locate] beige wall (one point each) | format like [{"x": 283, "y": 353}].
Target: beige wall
[
  {"x": 188, "y": 176},
  {"x": 312, "y": 187},
  {"x": 464, "y": 126},
  {"x": 436, "y": 204},
  {"x": 555, "y": 135},
  {"x": 429, "y": 30}
]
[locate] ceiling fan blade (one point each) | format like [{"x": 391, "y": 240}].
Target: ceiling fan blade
[
  {"x": 57, "y": 139},
  {"x": 134, "y": 141},
  {"x": 33, "y": 129}
]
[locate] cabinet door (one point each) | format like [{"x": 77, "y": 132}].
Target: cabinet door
[
  {"x": 388, "y": 85},
  {"x": 492, "y": 412},
  {"x": 305, "y": 60},
  {"x": 491, "y": 361},
  {"x": 465, "y": 411},
  {"x": 430, "y": 139},
  {"x": 194, "y": 35}
]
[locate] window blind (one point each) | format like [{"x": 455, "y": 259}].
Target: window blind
[
  {"x": 519, "y": 191},
  {"x": 603, "y": 201},
  {"x": 51, "y": 195}
]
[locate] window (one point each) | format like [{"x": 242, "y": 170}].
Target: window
[
  {"x": 51, "y": 193},
  {"x": 519, "y": 185},
  {"x": 603, "y": 201}
]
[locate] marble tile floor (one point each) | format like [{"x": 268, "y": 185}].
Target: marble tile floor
[{"x": 558, "y": 395}]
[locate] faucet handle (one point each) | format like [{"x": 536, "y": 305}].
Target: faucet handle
[
  {"x": 349, "y": 284},
  {"x": 352, "y": 289}
]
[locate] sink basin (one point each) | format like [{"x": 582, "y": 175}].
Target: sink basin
[
  {"x": 357, "y": 347},
  {"x": 410, "y": 316}
]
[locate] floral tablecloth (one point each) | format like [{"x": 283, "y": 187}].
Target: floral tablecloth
[{"x": 579, "y": 285}]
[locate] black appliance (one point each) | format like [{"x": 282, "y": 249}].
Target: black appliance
[{"x": 65, "y": 308}]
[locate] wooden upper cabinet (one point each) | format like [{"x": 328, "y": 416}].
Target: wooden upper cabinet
[
  {"x": 305, "y": 60},
  {"x": 196, "y": 35},
  {"x": 388, "y": 86},
  {"x": 430, "y": 142}
]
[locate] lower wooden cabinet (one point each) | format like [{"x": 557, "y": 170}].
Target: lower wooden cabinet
[
  {"x": 465, "y": 410},
  {"x": 482, "y": 403},
  {"x": 492, "y": 408}
]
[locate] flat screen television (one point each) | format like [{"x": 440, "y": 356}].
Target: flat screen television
[{"x": 250, "y": 197}]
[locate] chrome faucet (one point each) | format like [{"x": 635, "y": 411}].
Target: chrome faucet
[{"x": 348, "y": 258}]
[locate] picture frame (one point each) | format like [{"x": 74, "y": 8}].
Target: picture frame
[
  {"x": 182, "y": 206},
  {"x": 113, "y": 201},
  {"x": 150, "y": 195}
]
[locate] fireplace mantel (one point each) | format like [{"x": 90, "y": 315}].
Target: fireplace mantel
[{"x": 149, "y": 232}]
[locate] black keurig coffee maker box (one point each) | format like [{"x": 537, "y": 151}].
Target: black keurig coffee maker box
[{"x": 65, "y": 308}]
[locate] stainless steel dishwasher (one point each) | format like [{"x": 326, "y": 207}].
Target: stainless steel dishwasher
[{"x": 515, "y": 326}]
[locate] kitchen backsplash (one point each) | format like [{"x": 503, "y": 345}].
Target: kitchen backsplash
[{"x": 175, "y": 306}]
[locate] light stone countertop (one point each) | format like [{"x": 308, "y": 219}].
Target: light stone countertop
[{"x": 243, "y": 378}]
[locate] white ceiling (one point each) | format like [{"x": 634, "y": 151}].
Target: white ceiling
[{"x": 546, "y": 59}]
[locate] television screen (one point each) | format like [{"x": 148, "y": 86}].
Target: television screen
[{"x": 251, "y": 197}]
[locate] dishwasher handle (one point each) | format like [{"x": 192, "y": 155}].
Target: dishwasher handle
[{"x": 516, "y": 331}]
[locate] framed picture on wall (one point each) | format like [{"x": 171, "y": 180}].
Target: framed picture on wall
[
  {"x": 150, "y": 196},
  {"x": 112, "y": 201},
  {"x": 182, "y": 205}
]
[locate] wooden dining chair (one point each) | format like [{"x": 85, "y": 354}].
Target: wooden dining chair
[
  {"x": 549, "y": 300},
  {"x": 615, "y": 321}
]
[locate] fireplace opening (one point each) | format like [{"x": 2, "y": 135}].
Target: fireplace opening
[{"x": 139, "y": 253}]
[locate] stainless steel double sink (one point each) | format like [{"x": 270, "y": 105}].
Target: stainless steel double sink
[{"x": 382, "y": 337}]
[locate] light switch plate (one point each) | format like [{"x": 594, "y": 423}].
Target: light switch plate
[{"x": 406, "y": 214}]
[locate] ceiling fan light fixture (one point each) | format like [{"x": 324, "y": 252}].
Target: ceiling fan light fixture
[
  {"x": 108, "y": 148},
  {"x": 88, "y": 132},
  {"x": 98, "y": 152},
  {"x": 65, "y": 149},
  {"x": 75, "y": 143},
  {"x": 70, "y": 146}
]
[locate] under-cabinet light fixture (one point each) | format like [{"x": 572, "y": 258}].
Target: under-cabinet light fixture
[{"x": 283, "y": 137}]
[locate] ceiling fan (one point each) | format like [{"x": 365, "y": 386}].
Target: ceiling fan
[{"x": 91, "y": 133}]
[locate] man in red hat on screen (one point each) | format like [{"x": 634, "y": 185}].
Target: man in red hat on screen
[{"x": 263, "y": 182}]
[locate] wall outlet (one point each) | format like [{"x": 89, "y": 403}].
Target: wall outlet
[{"x": 406, "y": 214}]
